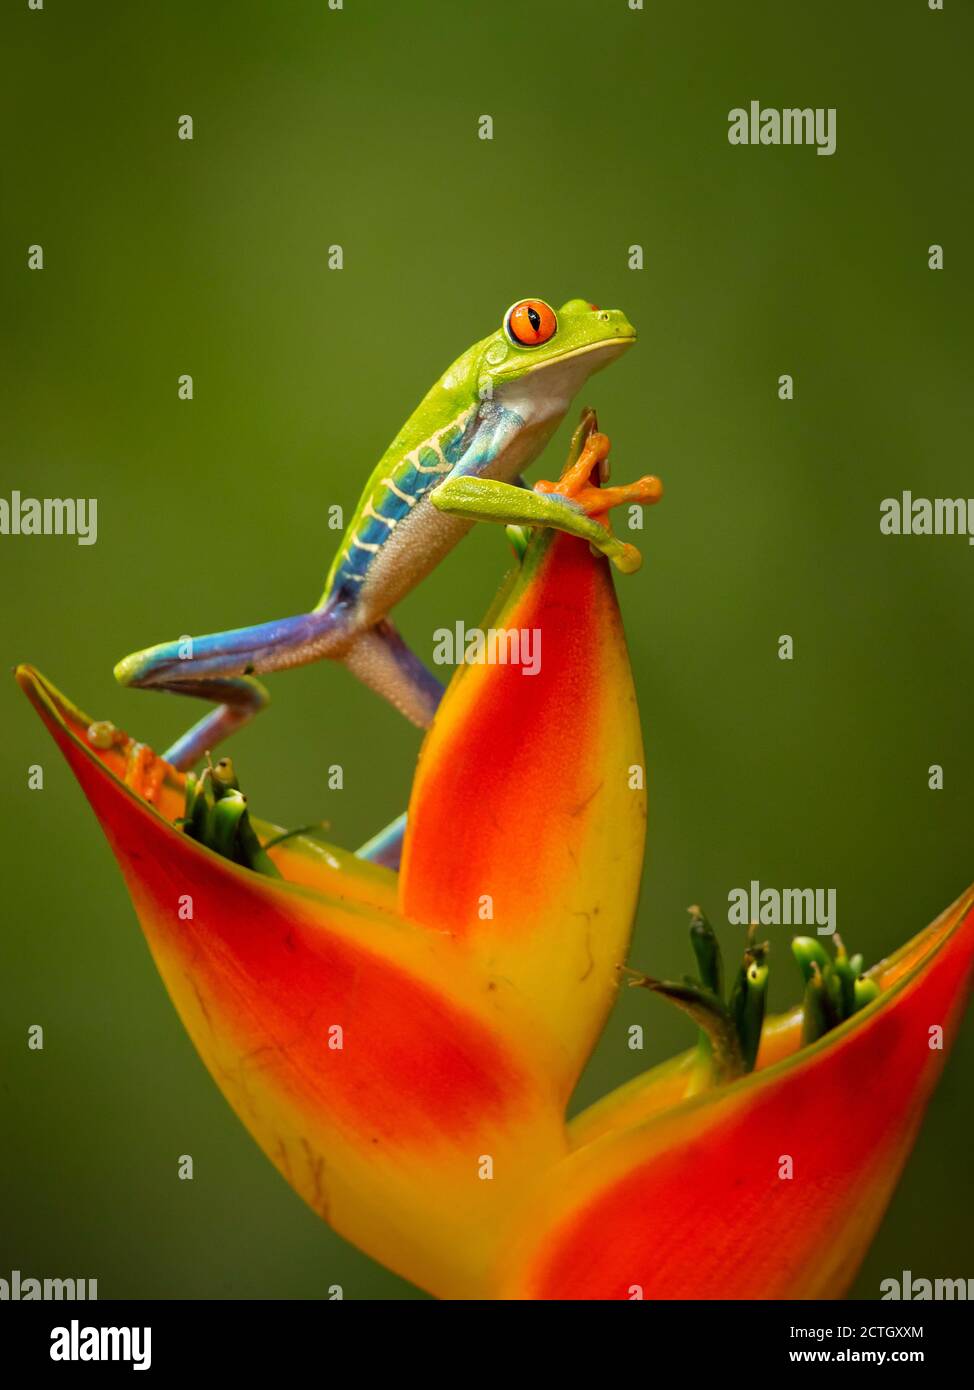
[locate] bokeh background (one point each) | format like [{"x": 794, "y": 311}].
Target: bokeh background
[{"x": 359, "y": 127}]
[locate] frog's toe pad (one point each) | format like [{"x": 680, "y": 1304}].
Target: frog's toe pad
[{"x": 626, "y": 558}]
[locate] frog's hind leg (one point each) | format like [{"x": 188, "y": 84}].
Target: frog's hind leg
[
  {"x": 380, "y": 659},
  {"x": 385, "y": 848},
  {"x": 221, "y": 667},
  {"x": 239, "y": 699}
]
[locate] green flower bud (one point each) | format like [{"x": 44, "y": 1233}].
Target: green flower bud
[
  {"x": 808, "y": 952},
  {"x": 866, "y": 990},
  {"x": 706, "y": 948}
]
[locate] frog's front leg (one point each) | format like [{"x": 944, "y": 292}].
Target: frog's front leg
[{"x": 575, "y": 504}]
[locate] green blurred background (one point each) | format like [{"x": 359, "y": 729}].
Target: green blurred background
[{"x": 359, "y": 127}]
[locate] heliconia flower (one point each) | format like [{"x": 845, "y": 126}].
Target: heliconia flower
[
  {"x": 404, "y": 1071},
  {"x": 403, "y": 1047}
]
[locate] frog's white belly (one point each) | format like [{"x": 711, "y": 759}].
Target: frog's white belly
[{"x": 422, "y": 538}]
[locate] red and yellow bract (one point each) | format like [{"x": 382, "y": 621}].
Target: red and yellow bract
[{"x": 469, "y": 991}]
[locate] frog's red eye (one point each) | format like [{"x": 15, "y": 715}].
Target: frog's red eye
[{"x": 530, "y": 322}]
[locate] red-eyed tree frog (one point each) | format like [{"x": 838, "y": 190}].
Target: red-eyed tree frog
[{"x": 455, "y": 460}]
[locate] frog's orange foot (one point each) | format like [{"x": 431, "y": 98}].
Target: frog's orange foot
[
  {"x": 143, "y": 770},
  {"x": 576, "y": 483}
]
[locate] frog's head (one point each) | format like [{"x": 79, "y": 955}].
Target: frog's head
[{"x": 551, "y": 353}]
